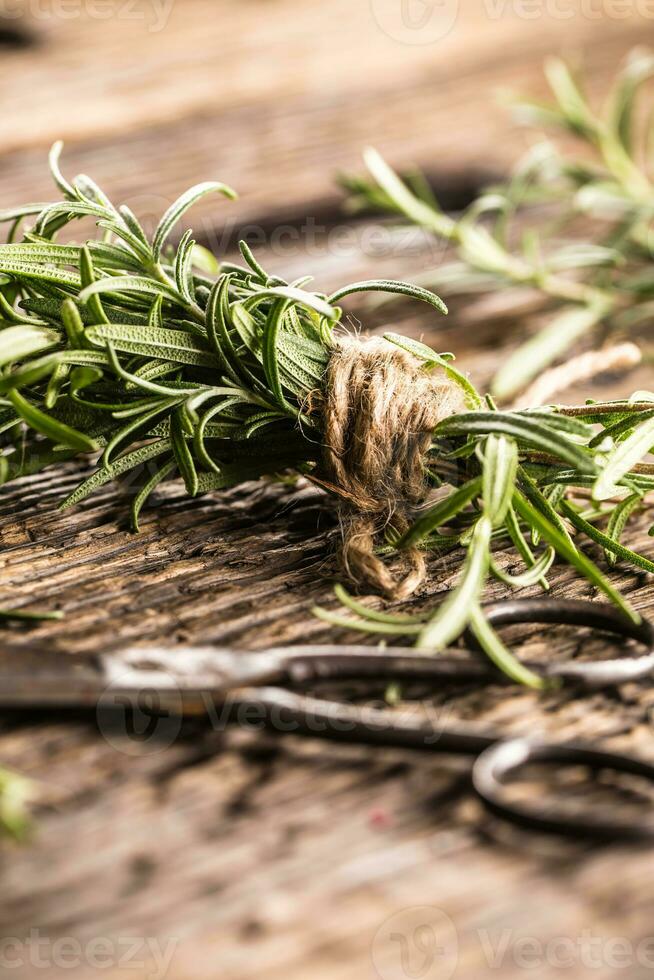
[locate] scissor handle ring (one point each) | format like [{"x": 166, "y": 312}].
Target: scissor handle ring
[
  {"x": 569, "y": 612},
  {"x": 495, "y": 766},
  {"x": 578, "y": 612}
]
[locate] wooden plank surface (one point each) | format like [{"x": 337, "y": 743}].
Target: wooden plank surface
[
  {"x": 231, "y": 854},
  {"x": 273, "y": 96}
]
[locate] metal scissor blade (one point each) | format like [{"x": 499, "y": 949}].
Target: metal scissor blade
[
  {"x": 181, "y": 677},
  {"x": 50, "y": 679},
  {"x": 190, "y": 677}
]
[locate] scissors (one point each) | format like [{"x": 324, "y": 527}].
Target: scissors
[{"x": 266, "y": 687}]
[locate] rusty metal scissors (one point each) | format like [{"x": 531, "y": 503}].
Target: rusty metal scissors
[{"x": 258, "y": 688}]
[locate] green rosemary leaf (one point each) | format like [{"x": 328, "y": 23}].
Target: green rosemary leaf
[
  {"x": 217, "y": 329},
  {"x": 310, "y": 358},
  {"x": 52, "y": 217},
  {"x": 520, "y": 543},
  {"x": 53, "y": 162},
  {"x": 552, "y": 417},
  {"x": 128, "y": 284},
  {"x": 31, "y": 373},
  {"x": 39, "y": 458},
  {"x": 24, "y": 211},
  {"x": 258, "y": 422},
  {"x": 418, "y": 349},
  {"x": 183, "y": 271},
  {"x": 119, "y": 466},
  {"x": 140, "y": 424},
  {"x": 366, "y": 625},
  {"x": 472, "y": 397},
  {"x": 618, "y": 521},
  {"x": 31, "y": 252},
  {"x": 391, "y": 286},
  {"x": 608, "y": 543},
  {"x": 621, "y": 460},
  {"x": 135, "y": 229},
  {"x": 73, "y": 325},
  {"x": 259, "y": 272},
  {"x": 177, "y": 346},
  {"x": 402, "y": 199},
  {"x": 532, "y": 576},
  {"x": 247, "y": 327},
  {"x": 132, "y": 249},
  {"x": 38, "y": 271},
  {"x": 182, "y": 453},
  {"x": 49, "y": 308},
  {"x": 152, "y": 482},
  {"x": 606, "y": 412},
  {"x": 87, "y": 276},
  {"x": 375, "y": 615},
  {"x": 181, "y": 206},
  {"x": 572, "y": 103},
  {"x": 574, "y": 557},
  {"x": 21, "y": 341},
  {"x": 11, "y": 315},
  {"x": 453, "y": 614},
  {"x": 87, "y": 189},
  {"x": 58, "y": 432},
  {"x": 142, "y": 382},
  {"x": 56, "y": 381},
  {"x": 199, "y": 434},
  {"x": 270, "y": 360},
  {"x": 309, "y": 300},
  {"x": 619, "y": 428},
  {"x": 529, "y": 431},
  {"x": 155, "y": 316},
  {"x": 499, "y": 475},
  {"x": 639, "y": 68},
  {"x": 496, "y": 651},
  {"x": 440, "y": 514},
  {"x": 542, "y": 503}
]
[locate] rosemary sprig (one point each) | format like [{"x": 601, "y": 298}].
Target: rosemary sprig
[
  {"x": 517, "y": 479},
  {"x": 125, "y": 346},
  {"x": 606, "y": 280}
]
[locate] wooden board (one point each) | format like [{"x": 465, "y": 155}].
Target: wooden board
[
  {"x": 236, "y": 854},
  {"x": 275, "y": 98}
]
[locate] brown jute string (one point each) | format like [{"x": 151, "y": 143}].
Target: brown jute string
[{"x": 381, "y": 406}]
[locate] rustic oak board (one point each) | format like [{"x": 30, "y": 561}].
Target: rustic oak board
[{"x": 244, "y": 854}]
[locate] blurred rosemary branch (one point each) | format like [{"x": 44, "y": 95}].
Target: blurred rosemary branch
[{"x": 606, "y": 279}]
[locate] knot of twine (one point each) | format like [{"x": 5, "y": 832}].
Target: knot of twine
[{"x": 381, "y": 407}]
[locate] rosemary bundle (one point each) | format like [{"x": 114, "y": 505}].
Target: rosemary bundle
[
  {"x": 126, "y": 345},
  {"x": 603, "y": 280},
  {"x": 168, "y": 363}
]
